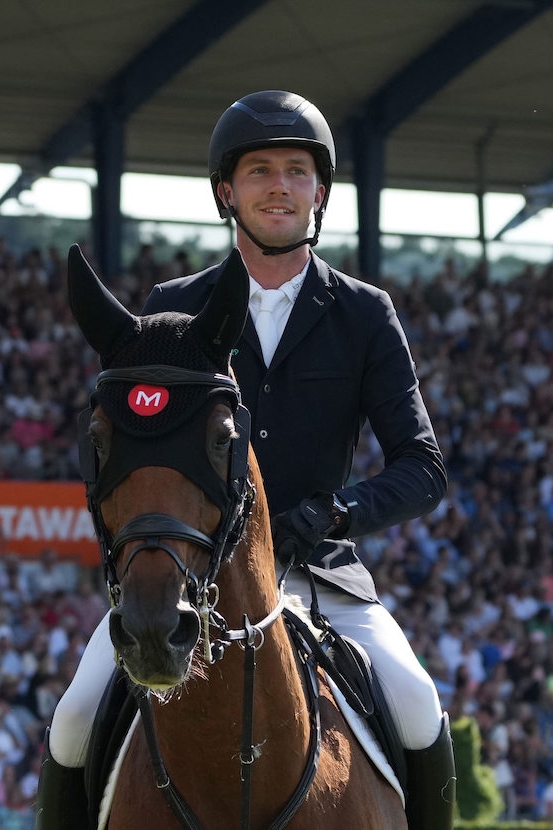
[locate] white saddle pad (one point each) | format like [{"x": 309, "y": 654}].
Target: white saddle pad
[
  {"x": 105, "y": 806},
  {"x": 366, "y": 738}
]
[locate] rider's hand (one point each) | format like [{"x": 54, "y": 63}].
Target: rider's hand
[{"x": 297, "y": 532}]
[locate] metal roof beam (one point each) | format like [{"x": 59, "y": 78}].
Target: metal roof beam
[
  {"x": 447, "y": 57},
  {"x": 137, "y": 82}
]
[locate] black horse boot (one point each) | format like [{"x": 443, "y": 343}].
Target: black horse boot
[
  {"x": 61, "y": 798},
  {"x": 430, "y": 802}
]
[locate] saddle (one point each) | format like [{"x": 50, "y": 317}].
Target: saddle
[{"x": 348, "y": 666}]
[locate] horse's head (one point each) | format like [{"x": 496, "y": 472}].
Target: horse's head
[{"x": 164, "y": 455}]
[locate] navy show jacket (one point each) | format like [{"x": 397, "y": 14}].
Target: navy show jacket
[{"x": 343, "y": 358}]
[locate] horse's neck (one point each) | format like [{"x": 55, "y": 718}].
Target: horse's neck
[
  {"x": 214, "y": 705},
  {"x": 248, "y": 587}
]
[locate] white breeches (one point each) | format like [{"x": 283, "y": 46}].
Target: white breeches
[
  {"x": 409, "y": 690},
  {"x": 74, "y": 714}
]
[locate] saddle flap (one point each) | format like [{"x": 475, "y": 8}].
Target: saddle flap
[
  {"x": 350, "y": 668},
  {"x": 351, "y": 659}
]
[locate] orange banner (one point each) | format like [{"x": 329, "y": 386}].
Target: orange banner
[{"x": 36, "y": 515}]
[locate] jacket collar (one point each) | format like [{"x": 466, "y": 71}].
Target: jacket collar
[{"x": 314, "y": 298}]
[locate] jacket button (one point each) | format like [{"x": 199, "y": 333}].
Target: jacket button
[
  {"x": 263, "y": 433},
  {"x": 266, "y": 388}
]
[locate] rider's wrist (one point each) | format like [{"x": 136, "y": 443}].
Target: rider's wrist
[{"x": 337, "y": 511}]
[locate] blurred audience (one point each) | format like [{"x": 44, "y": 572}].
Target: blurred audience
[{"x": 471, "y": 584}]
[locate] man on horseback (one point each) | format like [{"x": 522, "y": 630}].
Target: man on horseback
[
  {"x": 338, "y": 356},
  {"x": 321, "y": 352}
]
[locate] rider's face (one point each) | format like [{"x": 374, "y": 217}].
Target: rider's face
[{"x": 275, "y": 191}]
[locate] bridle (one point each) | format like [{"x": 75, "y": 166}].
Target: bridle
[{"x": 148, "y": 530}]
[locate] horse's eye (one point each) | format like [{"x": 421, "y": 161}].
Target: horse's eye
[
  {"x": 224, "y": 438},
  {"x": 100, "y": 442},
  {"x": 95, "y": 441}
]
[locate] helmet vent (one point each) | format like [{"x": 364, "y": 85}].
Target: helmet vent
[{"x": 273, "y": 119}]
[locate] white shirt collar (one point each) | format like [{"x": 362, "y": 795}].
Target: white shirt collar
[{"x": 290, "y": 288}]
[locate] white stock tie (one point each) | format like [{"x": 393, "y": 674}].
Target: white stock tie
[{"x": 266, "y": 323}]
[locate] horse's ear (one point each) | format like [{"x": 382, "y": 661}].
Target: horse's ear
[
  {"x": 219, "y": 324},
  {"x": 100, "y": 315}
]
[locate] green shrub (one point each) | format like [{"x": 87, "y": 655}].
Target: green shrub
[
  {"x": 478, "y": 796},
  {"x": 502, "y": 825}
]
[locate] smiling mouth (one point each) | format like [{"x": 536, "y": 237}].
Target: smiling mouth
[{"x": 277, "y": 211}]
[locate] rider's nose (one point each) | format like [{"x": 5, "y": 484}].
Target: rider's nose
[{"x": 279, "y": 183}]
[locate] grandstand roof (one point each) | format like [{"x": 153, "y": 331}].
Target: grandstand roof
[{"x": 451, "y": 83}]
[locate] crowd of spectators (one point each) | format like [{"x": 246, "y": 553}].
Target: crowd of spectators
[
  {"x": 48, "y": 610},
  {"x": 471, "y": 583}
]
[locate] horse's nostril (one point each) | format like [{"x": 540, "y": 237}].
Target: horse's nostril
[
  {"x": 187, "y": 632},
  {"x": 120, "y": 637}
]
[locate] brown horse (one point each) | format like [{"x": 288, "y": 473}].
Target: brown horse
[{"x": 170, "y": 499}]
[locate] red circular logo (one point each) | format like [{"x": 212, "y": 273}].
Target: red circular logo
[{"x": 148, "y": 400}]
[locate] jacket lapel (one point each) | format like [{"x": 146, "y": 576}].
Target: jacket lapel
[
  {"x": 312, "y": 302},
  {"x": 249, "y": 334}
]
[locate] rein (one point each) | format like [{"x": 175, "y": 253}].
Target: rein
[{"x": 251, "y": 638}]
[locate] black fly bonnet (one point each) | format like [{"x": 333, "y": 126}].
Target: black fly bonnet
[
  {"x": 150, "y": 405},
  {"x": 159, "y": 374}
]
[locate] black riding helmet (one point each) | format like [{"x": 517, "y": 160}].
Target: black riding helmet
[{"x": 271, "y": 118}]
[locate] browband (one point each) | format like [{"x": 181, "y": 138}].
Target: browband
[{"x": 168, "y": 376}]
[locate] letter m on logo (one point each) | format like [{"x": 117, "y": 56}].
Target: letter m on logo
[{"x": 142, "y": 399}]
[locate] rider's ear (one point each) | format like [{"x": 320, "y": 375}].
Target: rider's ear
[{"x": 224, "y": 192}]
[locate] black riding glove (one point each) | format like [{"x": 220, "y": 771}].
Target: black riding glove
[{"x": 297, "y": 532}]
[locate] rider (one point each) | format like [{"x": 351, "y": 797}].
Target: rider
[{"x": 338, "y": 357}]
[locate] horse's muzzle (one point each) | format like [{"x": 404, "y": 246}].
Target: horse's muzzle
[{"x": 156, "y": 652}]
